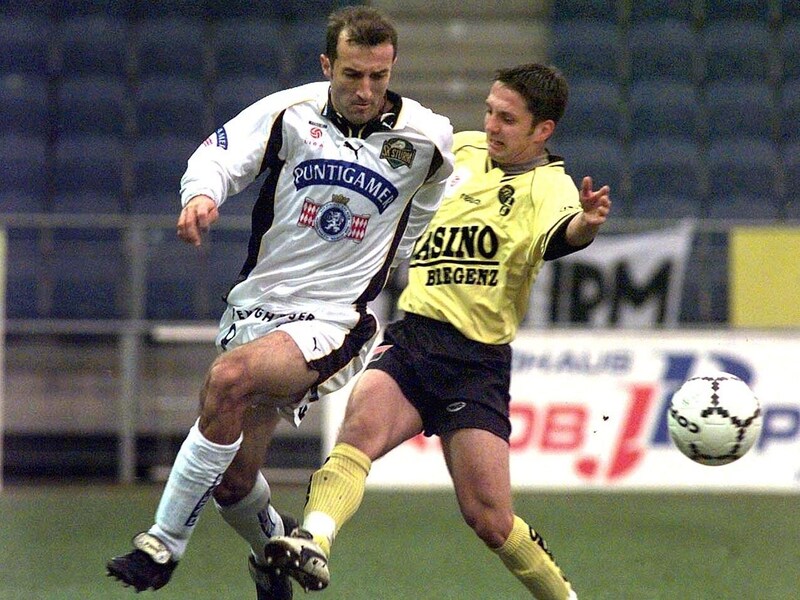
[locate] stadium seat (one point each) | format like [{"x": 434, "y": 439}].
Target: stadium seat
[
  {"x": 171, "y": 104},
  {"x": 594, "y": 109},
  {"x": 664, "y": 108},
  {"x": 249, "y": 47},
  {"x": 176, "y": 280},
  {"x": 735, "y": 109},
  {"x": 741, "y": 50},
  {"x": 24, "y": 45},
  {"x": 70, "y": 9},
  {"x": 650, "y": 204},
  {"x": 143, "y": 11},
  {"x": 249, "y": 9},
  {"x": 305, "y": 42},
  {"x": 171, "y": 45},
  {"x": 567, "y": 10},
  {"x": 159, "y": 163},
  {"x": 601, "y": 158},
  {"x": 24, "y": 102},
  {"x": 790, "y": 50},
  {"x": 96, "y": 44},
  {"x": 88, "y": 271},
  {"x": 586, "y": 49},
  {"x": 656, "y": 10},
  {"x": 745, "y": 10},
  {"x": 789, "y": 10},
  {"x": 748, "y": 166},
  {"x": 789, "y": 109},
  {"x": 90, "y": 163},
  {"x": 233, "y": 94},
  {"x": 21, "y": 202},
  {"x": 24, "y": 273},
  {"x": 743, "y": 206},
  {"x": 93, "y": 104},
  {"x": 225, "y": 259},
  {"x": 664, "y": 166},
  {"x": 87, "y": 203},
  {"x": 791, "y": 162},
  {"x": 665, "y": 49},
  {"x": 23, "y": 165},
  {"x": 165, "y": 203}
]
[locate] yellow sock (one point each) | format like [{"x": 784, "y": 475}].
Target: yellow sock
[
  {"x": 525, "y": 554},
  {"x": 335, "y": 493}
]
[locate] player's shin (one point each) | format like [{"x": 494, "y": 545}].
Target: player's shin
[
  {"x": 525, "y": 554},
  {"x": 335, "y": 493}
]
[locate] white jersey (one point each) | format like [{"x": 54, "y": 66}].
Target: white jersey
[{"x": 339, "y": 205}]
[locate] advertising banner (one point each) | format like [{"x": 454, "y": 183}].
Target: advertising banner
[{"x": 589, "y": 410}]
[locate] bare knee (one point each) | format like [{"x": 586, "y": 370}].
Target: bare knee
[
  {"x": 226, "y": 384},
  {"x": 491, "y": 525}
]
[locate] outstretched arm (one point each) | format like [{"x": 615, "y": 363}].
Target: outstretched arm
[{"x": 596, "y": 205}]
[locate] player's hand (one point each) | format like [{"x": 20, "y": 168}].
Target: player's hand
[
  {"x": 596, "y": 204},
  {"x": 196, "y": 219}
]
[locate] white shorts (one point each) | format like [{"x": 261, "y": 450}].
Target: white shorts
[{"x": 335, "y": 341}]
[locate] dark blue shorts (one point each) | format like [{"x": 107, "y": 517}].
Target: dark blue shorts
[{"x": 452, "y": 381}]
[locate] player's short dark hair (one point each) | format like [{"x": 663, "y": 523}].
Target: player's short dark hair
[
  {"x": 365, "y": 26},
  {"x": 543, "y": 87}
]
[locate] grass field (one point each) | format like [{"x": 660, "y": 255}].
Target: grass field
[{"x": 54, "y": 541}]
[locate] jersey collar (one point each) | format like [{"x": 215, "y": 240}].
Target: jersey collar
[{"x": 383, "y": 122}]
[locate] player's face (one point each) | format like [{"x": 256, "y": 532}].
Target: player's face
[
  {"x": 359, "y": 79},
  {"x": 512, "y": 137}
]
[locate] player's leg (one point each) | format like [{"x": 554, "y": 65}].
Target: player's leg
[
  {"x": 478, "y": 462},
  {"x": 269, "y": 367},
  {"x": 243, "y": 500},
  {"x": 378, "y": 418}
]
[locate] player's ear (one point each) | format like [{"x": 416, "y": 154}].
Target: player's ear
[
  {"x": 326, "y": 64},
  {"x": 543, "y": 130}
]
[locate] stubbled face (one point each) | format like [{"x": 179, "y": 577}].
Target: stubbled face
[
  {"x": 359, "y": 78},
  {"x": 510, "y": 133}
]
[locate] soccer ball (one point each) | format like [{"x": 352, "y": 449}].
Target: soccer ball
[{"x": 714, "y": 419}]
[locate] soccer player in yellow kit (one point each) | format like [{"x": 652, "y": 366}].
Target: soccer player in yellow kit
[{"x": 444, "y": 369}]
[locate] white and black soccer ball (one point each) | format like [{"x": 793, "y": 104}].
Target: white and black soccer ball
[{"x": 714, "y": 419}]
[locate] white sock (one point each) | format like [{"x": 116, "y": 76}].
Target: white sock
[
  {"x": 254, "y": 518},
  {"x": 197, "y": 470}
]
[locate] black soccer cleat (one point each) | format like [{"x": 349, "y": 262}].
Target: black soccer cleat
[
  {"x": 270, "y": 585},
  {"x": 148, "y": 566}
]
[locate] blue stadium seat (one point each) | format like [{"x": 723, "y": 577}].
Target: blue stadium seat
[
  {"x": 93, "y": 104},
  {"x": 173, "y": 45},
  {"x": 741, "y": 50},
  {"x": 24, "y": 45},
  {"x": 746, "y": 10},
  {"x": 233, "y": 94},
  {"x": 87, "y": 203},
  {"x": 88, "y": 270},
  {"x": 656, "y": 10},
  {"x": 305, "y": 42},
  {"x": 665, "y": 49},
  {"x": 159, "y": 163},
  {"x": 24, "y": 273},
  {"x": 789, "y": 109},
  {"x": 70, "y": 9},
  {"x": 249, "y": 9},
  {"x": 96, "y": 44},
  {"x": 586, "y": 48},
  {"x": 21, "y": 202},
  {"x": 90, "y": 163},
  {"x": 743, "y": 206},
  {"x": 174, "y": 8},
  {"x": 226, "y": 257},
  {"x": 734, "y": 109},
  {"x": 791, "y": 163},
  {"x": 24, "y": 102},
  {"x": 166, "y": 203},
  {"x": 566, "y": 10},
  {"x": 789, "y": 9},
  {"x": 601, "y": 158},
  {"x": 594, "y": 109},
  {"x": 23, "y": 165},
  {"x": 171, "y": 104},
  {"x": 650, "y": 204},
  {"x": 176, "y": 280},
  {"x": 664, "y": 108},
  {"x": 747, "y": 166},
  {"x": 665, "y": 166},
  {"x": 789, "y": 43},
  {"x": 249, "y": 47}
]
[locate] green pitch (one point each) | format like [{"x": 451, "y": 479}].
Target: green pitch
[{"x": 54, "y": 542}]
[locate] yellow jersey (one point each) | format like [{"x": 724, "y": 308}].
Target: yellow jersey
[{"x": 476, "y": 262}]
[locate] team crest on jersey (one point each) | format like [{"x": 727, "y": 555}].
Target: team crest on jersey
[
  {"x": 333, "y": 220},
  {"x": 398, "y": 152},
  {"x": 506, "y": 197}
]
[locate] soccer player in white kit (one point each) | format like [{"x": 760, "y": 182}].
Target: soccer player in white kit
[{"x": 354, "y": 173}]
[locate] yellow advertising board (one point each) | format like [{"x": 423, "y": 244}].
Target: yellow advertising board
[{"x": 764, "y": 268}]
